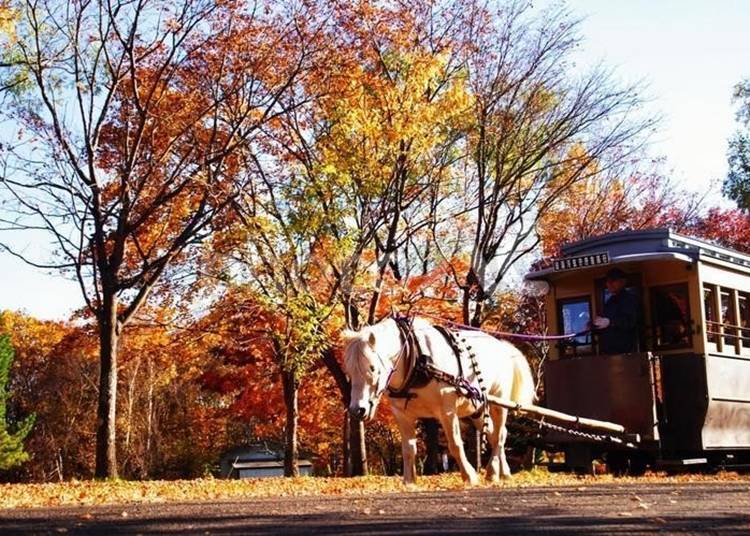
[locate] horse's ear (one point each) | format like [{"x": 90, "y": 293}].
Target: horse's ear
[
  {"x": 349, "y": 335},
  {"x": 371, "y": 340}
]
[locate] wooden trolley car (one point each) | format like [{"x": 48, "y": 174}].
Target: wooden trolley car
[{"x": 686, "y": 391}]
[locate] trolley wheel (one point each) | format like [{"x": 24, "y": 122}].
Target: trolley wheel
[
  {"x": 618, "y": 463},
  {"x": 638, "y": 463},
  {"x": 622, "y": 463},
  {"x": 579, "y": 459}
]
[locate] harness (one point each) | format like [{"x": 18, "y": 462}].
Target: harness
[{"x": 421, "y": 370}]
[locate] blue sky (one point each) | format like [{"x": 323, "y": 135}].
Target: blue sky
[{"x": 690, "y": 53}]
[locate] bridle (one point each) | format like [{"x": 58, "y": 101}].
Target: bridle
[{"x": 385, "y": 372}]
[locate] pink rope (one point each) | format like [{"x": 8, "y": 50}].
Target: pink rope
[{"x": 504, "y": 334}]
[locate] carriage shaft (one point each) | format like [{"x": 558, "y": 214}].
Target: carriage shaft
[{"x": 556, "y": 415}]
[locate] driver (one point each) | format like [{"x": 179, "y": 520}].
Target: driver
[{"x": 618, "y": 325}]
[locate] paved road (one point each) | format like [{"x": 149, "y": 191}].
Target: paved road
[{"x": 706, "y": 508}]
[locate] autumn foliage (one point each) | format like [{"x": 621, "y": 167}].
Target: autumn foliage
[{"x": 233, "y": 183}]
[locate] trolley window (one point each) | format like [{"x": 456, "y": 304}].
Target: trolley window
[
  {"x": 574, "y": 315},
  {"x": 728, "y": 318},
  {"x": 712, "y": 317},
  {"x": 670, "y": 313},
  {"x": 744, "y": 306}
]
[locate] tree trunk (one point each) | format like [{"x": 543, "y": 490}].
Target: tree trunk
[
  {"x": 357, "y": 447},
  {"x": 432, "y": 464},
  {"x": 473, "y": 443},
  {"x": 131, "y": 402},
  {"x": 466, "y": 305},
  {"x": 476, "y": 435},
  {"x": 291, "y": 452},
  {"x": 355, "y": 450},
  {"x": 148, "y": 464},
  {"x": 476, "y": 319},
  {"x": 347, "y": 444},
  {"x": 106, "y": 421}
]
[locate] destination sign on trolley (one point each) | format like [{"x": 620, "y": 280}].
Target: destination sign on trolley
[{"x": 570, "y": 263}]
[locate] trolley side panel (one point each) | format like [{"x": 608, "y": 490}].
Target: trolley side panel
[
  {"x": 684, "y": 404},
  {"x": 615, "y": 388},
  {"x": 727, "y": 423}
]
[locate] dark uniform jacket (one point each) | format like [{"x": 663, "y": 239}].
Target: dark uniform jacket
[{"x": 621, "y": 336}]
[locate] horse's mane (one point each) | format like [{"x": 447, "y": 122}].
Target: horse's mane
[
  {"x": 357, "y": 340},
  {"x": 353, "y": 353}
]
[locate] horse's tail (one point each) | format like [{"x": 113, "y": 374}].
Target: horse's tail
[{"x": 523, "y": 391}]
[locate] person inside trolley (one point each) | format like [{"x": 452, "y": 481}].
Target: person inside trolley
[{"x": 617, "y": 327}]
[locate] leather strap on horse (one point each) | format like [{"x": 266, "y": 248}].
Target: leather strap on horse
[
  {"x": 420, "y": 369},
  {"x": 449, "y": 337},
  {"x": 415, "y": 361},
  {"x": 477, "y": 396}
]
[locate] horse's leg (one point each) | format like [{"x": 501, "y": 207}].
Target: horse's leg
[
  {"x": 452, "y": 428},
  {"x": 407, "y": 425},
  {"x": 498, "y": 465},
  {"x": 503, "y": 435}
]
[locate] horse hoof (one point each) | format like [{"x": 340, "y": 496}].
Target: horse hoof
[
  {"x": 492, "y": 479},
  {"x": 471, "y": 480}
]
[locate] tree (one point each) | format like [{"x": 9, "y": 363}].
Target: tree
[
  {"x": 385, "y": 149},
  {"x": 261, "y": 355},
  {"x": 608, "y": 202},
  {"x": 737, "y": 182},
  {"x": 532, "y": 110},
  {"x": 53, "y": 376},
  {"x": 131, "y": 116},
  {"x": 726, "y": 227},
  {"x": 11, "y": 443},
  {"x": 344, "y": 178},
  {"x": 394, "y": 132}
]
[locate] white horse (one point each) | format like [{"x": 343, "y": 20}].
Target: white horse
[{"x": 375, "y": 362}]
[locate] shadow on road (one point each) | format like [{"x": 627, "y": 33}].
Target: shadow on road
[
  {"x": 613, "y": 509},
  {"x": 328, "y": 524}
]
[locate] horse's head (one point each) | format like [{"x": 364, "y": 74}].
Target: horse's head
[{"x": 368, "y": 372}]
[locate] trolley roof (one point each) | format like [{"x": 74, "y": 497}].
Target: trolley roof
[{"x": 637, "y": 246}]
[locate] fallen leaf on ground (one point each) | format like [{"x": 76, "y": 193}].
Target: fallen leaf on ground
[{"x": 85, "y": 493}]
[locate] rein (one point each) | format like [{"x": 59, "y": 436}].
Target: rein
[{"x": 508, "y": 335}]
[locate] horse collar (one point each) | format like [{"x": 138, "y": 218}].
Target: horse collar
[
  {"x": 421, "y": 370},
  {"x": 416, "y": 362}
]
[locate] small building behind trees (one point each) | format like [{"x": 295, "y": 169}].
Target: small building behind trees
[{"x": 257, "y": 461}]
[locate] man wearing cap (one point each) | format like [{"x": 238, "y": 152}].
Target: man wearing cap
[{"x": 618, "y": 325}]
